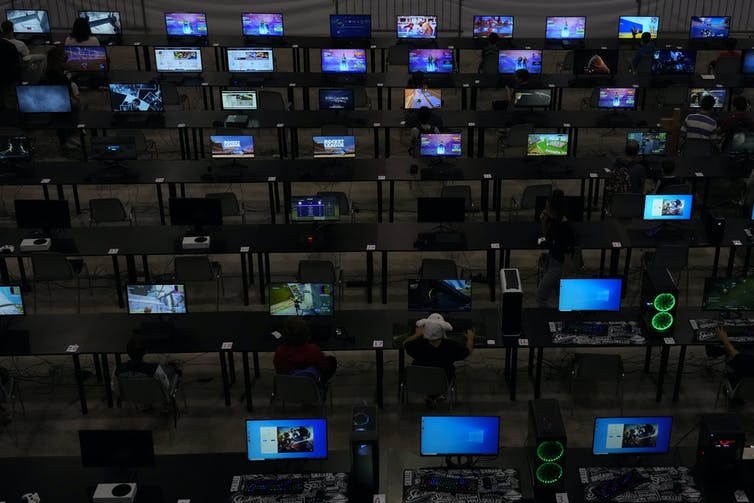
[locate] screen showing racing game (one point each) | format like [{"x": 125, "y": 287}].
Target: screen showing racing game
[
  {"x": 697, "y": 93},
  {"x": 250, "y": 60},
  {"x": 635, "y": 26},
  {"x": 416, "y": 26},
  {"x": 344, "y": 60},
  {"x": 413, "y": 99},
  {"x": 617, "y": 97},
  {"x": 231, "y": 147},
  {"x": 595, "y": 62},
  {"x": 673, "y": 62},
  {"x": 136, "y": 97},
  {"x": 709, "y": 27},
  {"x": 156, "y": 299},
  {"x": 178, "y": 59},
  {"x": 508, "y": 61},
  {"x": 15, "y": 147},
  {"x": 501, "y": 25},
  {"x": 102, "y": 22},
  {"x": 336, "y": 99},
  {"x": 565, "y": 28},
  {"x": 262, "y": 25},
  {"x": 439, "y": 295},
  {"x": 430, "y": 60},
  {"x": 440, "y": 145},
  {"x": 28, "y": 21},
  {"x": 85, "y": 59},
  {"x": 631, "y": 435},
  {"x": 11, "y": 301},
  {"x": 301, "y": 299},
  {"x": 239, "y": 100},
  {"x": 650, "y": 143},
  {"x": 728, "y": 294},
  {"x": 668, "y": 207},
  {"x": 43, "y": 99},
  {"x": 186, "y": 24},
  {"x": 333, "y": 146},
  {"x": 546, "y": 144},
  {"x": 274, "y": 439}
]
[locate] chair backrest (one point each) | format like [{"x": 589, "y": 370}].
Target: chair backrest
[
  {"x": 627, "y": 205},
  {"x": 316, "y": 271},
  {"x": 427, "y": 380},
  {"x": 344, "y": 207},
  {"x": 433, "y": 268},
  {"x": 567, "y": 64},
  {"x": 530, "y": 194},
  {"x": 296, "y": 389},
  {"x": 228, "y": 203},
  {"x": 270, "y": 100},
  {"x": 360, "y": 97},
  {"x": 193, "y": 268},
  {"x": 107, "y": 210},
  {"x": 678, "y": 188},
  {"x": 140, "y": 389},
  {"x": 51, "y": 267},
  {"x": 518, "y": 135},
  {"x": 463, "y": 191}
]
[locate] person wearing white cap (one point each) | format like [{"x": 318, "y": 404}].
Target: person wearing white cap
[{"x": 429, "y": 347}]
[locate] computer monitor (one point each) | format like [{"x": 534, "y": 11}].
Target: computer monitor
[
  {"x": 116, "y": 448},
  {"x": 283, "y": 439},
  {"x": 508, "y": 61},
  {"x": 728, "y": 294},
  {"x": 631, "y": 435},
  {"x": 440, "y": 209},
  {"x": 178, "y": 59},
  {"x": 195, "y": 211},
  {"x": 156, "y": 298},
  {"x": 532, "y": 98},
  {"x": 668, "y": 207},
  {"x": 103, "y": 22},
  {"x": 43, "y": 99},
  {"x": 28, "y": 21},
  {"x": 136, "y": 97},
  {"x": 501, "y": 25},
  {"x": 697, "y": 93},
  {"x": 315, "y": 209},
  {"x": 231, "y": 147},
  {"x": 634, "y": 26},
  {"x": 617, "y": 97},
  {"x": 11, "y": 301},
  {"x": 113, "y": 148},
  {"x": 256, "y": 59},
  {"x": 301, "y": 299},
  {"x": 336, "y": 99},
  {"x": 440, "y": 145},
  {"x": 15, "y": 147},
  {"x": 414, "y": 99},
  {"x": 590, "y": 294},
  {"x": 430, "y": 60},
  {"x": 565, "y": 28},
  {"x": 42, "y": 214},
  {"x": 595, "y": 62},
  {"x": 416, "y": 26},
  {"x": 673, "y": 62},
  {"x": 547, "y": 144},
  {"x": 186, "y": 24},
  {"x": 254, "y": 24},
  {"x": 709, "y": 27},
  {"x": 239, "y": 100},
  {"x": 460, "y": 435},
  {"x": 85, "y": 59},
  {"x": 654, "y": 143},
  {"x": 344, "y": 60},
  {"x": 350, "y": 25},
  {"x": 747, "y": 66},
  {"x": 334, "y": 146},
  {"x": 439, "y": 295}
]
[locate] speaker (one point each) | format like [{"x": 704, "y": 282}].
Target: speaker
[
  {"x": 547, "y": 448},
  {"x": 721, "y": 444},
  {"x": 365, "y": 461},
  {"x": 659, "y": 301},
  {"x": 511, "y": 302},
  {"x": 715, "y": 227}
]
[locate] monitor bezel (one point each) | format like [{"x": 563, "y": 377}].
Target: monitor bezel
[
  {"x": 620, "y": 295},
  {"x": 287, "y": 460},
  {"x": 165, "y": 14},
  {"x": 307, "y": 316},
  {"x": 47, "y": 13},
  {"x": 570, "y": 38},
  {"x": 497, "y": 446},
  {"x": 691, "y": 27},
  {"x": 487, "y": 35},
  {"x": 594, "y": 431},
  {"x": 437, "y": 26},
  {"x": 159, "y": 48},
  {"x": 154, "y": 283},
  {"x": 353, "y": 16},
  {"x": 282, "y": 21}
]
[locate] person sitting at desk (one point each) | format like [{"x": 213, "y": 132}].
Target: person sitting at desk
[
  {"x": 701, "y": 125},
  {"x": 489, "y": 56},
  {"x": 645, "y": 50},
  {"x": 560, "y": 240},
  {"x": 627, "y": 174},
  {"x": 296, "y": 353},
  {"x": 55, "y": 74},
  {"x": 166, "y": 375},
  {"x": 520, "y": 81},
  {"x": 425, "y": 122},
  {"x": 9, "y": 36},
  {"x": 738, "y": 365},
  {"x": 81, "y": 33}
]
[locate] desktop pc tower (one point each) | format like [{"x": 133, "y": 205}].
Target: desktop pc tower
[
  {"x": 547, "y": 443},
  {"x": 365, "y": 461},
  {"x": 659, "y": 301},
  {"x": 511, "y": 303},
  {"x": 715, "y": 227},
  {"x": 720, "y": 446}
]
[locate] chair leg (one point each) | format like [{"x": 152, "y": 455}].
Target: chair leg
[{"x": 78, "y": 294}]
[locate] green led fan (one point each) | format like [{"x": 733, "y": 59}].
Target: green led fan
[
  {"x": 664, "y": 302},
  {"x": 549, "y": 473},
  {"x": 662, "y": 320},
  {"x": 550, "y": 450}
]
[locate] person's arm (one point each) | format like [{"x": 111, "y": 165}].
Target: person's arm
[
  {"x": 416, "y": 335},
  {"x": 470, "y": 340},
  {"x": 723, "y": 336},
  {"x": 162, "y": 377},
  {"x": 318, "y": 358}
]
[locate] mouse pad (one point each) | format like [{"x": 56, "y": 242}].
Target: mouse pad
[{"x": 318, "y": 488}]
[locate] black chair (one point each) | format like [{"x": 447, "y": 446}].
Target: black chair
[
  {"x": 197, "y": 269},
  {"x": 109, "y": 211},
  {"x": 54, "y": 267},
  {"x": 432, "y": 268}
]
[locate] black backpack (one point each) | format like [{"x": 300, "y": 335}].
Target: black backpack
[{"x": 10, "y": 62}]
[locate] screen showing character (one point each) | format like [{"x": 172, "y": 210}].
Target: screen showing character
[
  {"x": 262, "y": 25},
  {"x": 650, "y": 143},
  {"x": 301, "y": 299},
  {"x": 617, "y": 97},
  {"x": 697, "y": 93},
  {"x": 501, "y": 25},
  {"x": 667, "y": 207},
  {"x": 631, "y": 435},
  {"x": 508, "y": 61},
  {"x": 334, "y": 146},
  {"x": 416, "y": 26},
  {"x": 430, "y": 60},
  {"x": 186, "y": 24},
  {"x": 673, "y": 62},
  {"x": 344, "y": 60},
  {"x": 15, "y": 147},
  {"x": 178, "y": 59},
  {"x": 634, "y": 26},
  {"x": 565, "y": 28},
  {"x": 709, "y": 27},
  {"x": 440, "y": 145},
  {"x": 156, "y": 299},
  {"x": 28, "y": 21}
]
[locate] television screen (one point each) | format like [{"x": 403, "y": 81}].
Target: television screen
[
  {"x": 416, "y": 26},
  {"x": 595, "y": 62},
  {"x": 350, "y": 26},
  {"x": 186, "y": 24},
  {"x": 113, "y": 148},
  {"x": 709, "y": 27},
  {"x": 28, "y": 21},
  {"x": 440, "y": 145},
  {"x": 650, "y": 143},
  {"x": 344, "y": 60},
  {"x": 617, "y": 97},
  {"x": 15, "y": 147},
  {"x": 728, "y": 294},
  {"x": 564, "y": 28},
  {"x": 413, "y": 99},
  {"x": 42, "y": 214},
  {"x": 542, "y": 144},
  {"x": 634, "y": 26},
  {"x": 103, "y": 22},
  {"x": 668, "y": 207},
  {"x": 631, "y": 435},
  {"x": 178, "y": 59},
  {"x": 484, "y": 25},
  {"x": 301, "y": 299},
  {"x": 262, "y": 25},
  {"x": 697, "y": 93},
  {"x": 460, "y": 435},
  {"x": 43, "y": 99},
  {"x": 673, "y": 62},
  {"x": 439, "y": 295},
  {"x": 336, "y": 99},
  {"x": 195, "y": 211},
  {"x": 334, "y": 146},
  {"x": 270, "y": 439},
  {"x": 136, "y": 97},
  {"x": 11, "y": 301},
  {"x": 748, "y": 62},
  {"x": 85, "y": 59},
  {"x": 250, "y": 60},
  {"x": 231, "y": 147},
  {"x": 590, "y": 294},
  {"x": 508, "y": 61},
  {"x": 314, "y": 208},
  {"x": 116, "y": 448},
  {"x": 430, "y": 60},
  {"x": 440, "y": 209},
  {"x": 156, "y": 299},
  {"x": 532, "y": 98},
  {"x": 239, "y": 100}
]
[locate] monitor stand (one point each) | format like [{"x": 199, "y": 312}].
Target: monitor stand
[
  {"x": 667, "y": 230},
  {"x": 460, "y": 461},
  {"x": 161, "y": 328},
  {"x": 115, "y": 170}
]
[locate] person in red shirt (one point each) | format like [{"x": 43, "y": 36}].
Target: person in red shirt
[{"x": 297, "y": 353}]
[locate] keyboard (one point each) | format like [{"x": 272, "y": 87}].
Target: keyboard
[
  {"x": 269, "y": 487},
  {"x": 468, "y": 484},
  {"x": 447, "y": 484},
  {"x": 290, "y": 487}
]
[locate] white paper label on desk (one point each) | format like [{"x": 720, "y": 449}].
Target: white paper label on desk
[
  {"x": 73, "y": 348},
  {"x": 451, "y": 47},
  {"x": 617, "y": 244},
  {"x": 527, "y": 47},
  {"x": 227, "y": 346},
  {"x": 371, "y": 247},
  {"x": 476, "y": 81},
  {"x": 523, "y": 342},
  {"x": 81, "y": 125},
  {"x": 216, "y": 44},
  {"x": 137, "y": 43},
  {"x": 635, "y": 86},
  {"x": 205, "y": 84},
  {"x": 235, "y": 483},
  {"x": 376, "y": 124},
  {"x": 669, "y": 341},
  {"x": 494, "y": 246},
  {"x": 472, "y": 124},
  {"x": 185, "y": 500},
  {"x": 487, "y": 176},
  {"x": 378, "y": 344},
  {"x": 490, "y": 342},
  {"x": 566, "y": 124},
  {"x": 698, "y": 173},
  {"x": 740, "y": 496},
  {"x": 45, "y": 181},
  {"x": 465, "y": 84},
  {"x": 181, "y": 124},
  {"x": 380, "y": 84},
  {"x": 112, "y": 251},
  {"x": 271, "y": 178},
  {"x": 245, "y": 249},
  {"x": 280, "y": 124},
  {"x": 607, "y": 170},
  {"x": 379, "y": 498},
  {"x": 707, "y": 76},
  {"x": 551, "y": 85},
  {"x": 736, "y": 242},
  {"x": 372, "y": 46},
  {"x": 291, "y": 84},
  {"x": 380, "y": 178},
  {"x": 403, "y": 123},
  {"x": 295, "y": 46},
  {"x": 693, "y": 324},
  {"x": 582, "y": 476},
  {"x": 561, "y": 497},
  {"x": 593, "y": 175},
  {"x": 160, "y": 179}
]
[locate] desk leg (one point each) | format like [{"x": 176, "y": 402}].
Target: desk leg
[
  {"x": 76, "y": 201},
  {"x": 262, "y": 283},
  {"x": 118, "y": 285},
  {"x": 679, "y": 373},
  {"x": 267, "y": 268},
  {"x": 108, "y": 383},
  {"x": 281, "y": 142},
  {"x": 391, "y": 201},
  {"x": 4, "y": 274},
  {"x": 538, "y": 377},
  {"x": 379, "y": 202},
  {"x": 747, "y": 261},
  {"x": 294, "y": 142},
  {"x": 484, "y": 198},
  {"x": 387, "y": 142},
  {"x": 471, "y": 141},
  {"x": 244, "y": 280},
  {"x": 511, "y": 369},
  {"x": 22, "y": 271},
  {"x": 491, "y": 273},
  {"x": 614, "y": 260},
  {"x": 647, "y": 359},
  {"x": 286, "y": 200},
  {"x": 464, "y": 97},
  {"x": 376, "y": 142},
  {"x": 271, "y": 196},
  {"x": 401, "y": 372},
  {"x": 716, "y": 261},
  {"x": 224, "y": 371},
  {"x": 246, "y": 380},
  {"x": 383, "y": 272},
  {"x": 731, "y": 260},
  {"x": 160, "y": 203},
  {"x": 232, "y": 367},
  {"x": 380, "y": 364},
  {"x": 255, "y": 360},
  {"x": 370, "y": 275},
  {"x": 530, "y": 368},
  {"x": 379, "y": 98},
  {"x": 97, "y": 366},
  {"x": 663, "y": 370},
  {"x": 627, "y": 265},
  {"x": 498, "y": 198},
  {"x": 602, "y": 262},
  {"x": 145, "y": 267},
  {"x": 131, "y": 268},
  {"x": 480, "y": 141},
  {"x": 79, "y": 382},
  {"x": 590, "y": 192}
]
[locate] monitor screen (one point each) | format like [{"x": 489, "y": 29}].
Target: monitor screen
[
  {"x": 617, "y": 97},
  {"x": 668, "y": 207},
  {"x": 231, "y": 147},
  {"x": 440, "y": 145},
  {"x": 156, "y": 299},
  {"x": 102, "y": 22},
  {"x": 564, "y": 28},
  {"x": 301, "y": 299},
  {"x": 439, "y": 295},
  {"x": 748, "y": 62},
  {"x": 631, "y": 435},
  {"x": 336, "y": 99},
  {"x": 440, "y": 209},
  {"x": 15, "y": 147},
  {"x": 136, "y": 97},
  {"x": 271, "y": 439},
  {"x": 178, "y": 59},
  {"x": 634, "y": 26},
  {"x": 86, "y": 59},
  {"x": 186, "y": 24},
  {"x": 414, "y": 99},
  {"x": 650, "y": 143},
  {"x": 709, "y": 27},
  {"x": 697, "y": 93},
  {"x": 416, "y": 26},
  {"x": 334, "y": 146},
  {"x": 250, "y": 60},
  {"x": 595, "y": 62},
  {"x": 315, "y": 208},
  {"x": 508, "y": 61},
  {"x": 262, "y": 25},
  {"x": 43, "y": 99},
  {"x": 471, "y": 435},
  {"x": 195, "y": 211},
  {"x": 42, "y": 214},
  {"x": 673, "y": 62},
  {"x": 544, "y": 144},
  {"x": 728, "y": 294},
  {"x": 28, "y": 21},
  {"x": 344, "y": 60},
  {"x": 590, "y": 294},
  {"x": 11, "y": 301},
  {"x": 484, "y": 25},
  {"x": 532, "y": 98},
  {"x": 113, "y": 148},
  {"x": 116, "y": 448},
  {"x": 239, "y": 100},
  {"x": 430, "y": 60},
  {"x": 350, "y": 26}
]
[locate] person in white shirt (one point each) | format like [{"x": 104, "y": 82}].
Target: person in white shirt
[
  {"x": 7, "y": 28},
  {"x": 81, "y": 33}
]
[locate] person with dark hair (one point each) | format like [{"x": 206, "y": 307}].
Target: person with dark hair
[
  {"x": 489, "y": 57},
  {"x": 628, "y": 171},
  {"x": 81, "y": 33},
  {"x": 296, "y": 353},
  {"x": 423, "y": 122},
  {"x": 136, "y": 348},
  {"x": 645, "y": 50},
  {"x": 739, "y": 122},
  {"x": 415, "y": 80},
  {"x": 560, "y": 239},
  {"x": 9, "y": 36},
  {"x": 10, "y": 61},
  {"x": 666, "y": 177},
  {"x": 701, "y": 125},
  {"x": 520, "y": 81},
  {"x": 55, "y": 74}
]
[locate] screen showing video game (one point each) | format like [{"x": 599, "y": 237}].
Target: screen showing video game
[
  {"x": 709, "y": 27},
  {"x": 631, "y": 435},
  {"x": 103, "y": 22},
  {"x": 333, "y": 146},
  {"x": 11, "y": 301},
  {"x": 262, "y": 25},
  {"x": 508, "y": 61},
  {"x": 697, "y": 93},
  {"x": 186, "y": 24},
  {"x": 532, "y": 98},
  {"x": 28, "y": 21},
  {"x": 440, "y": 145},
  {"x": 344, "y": 60},
  {"x": 85, "y": 59},
  {"x": 748, "y": 62},
  {"x": 413, "y": 99},
  {"x": 430, "y": 60},
  {"x": 239, "y": 100},
  {"x": 136, "y": 97},
  {"x": 564, "y": 28},
  {"x": 250, "y": 60},
  {"x": 484, "y": 25},
  {"x": 178, "y": 59},
  {"x": 595, "y": 62},
  {"x": 439, "y": 295},
  {"x": 590, "y": 294},
  {"x": 728, "y": 294},
  {"x": 471, "y": 435},
  {"x": 314, "y": 209},
  {"x": 43, "y": 99},
  {"x": 543, "y": 144},
  {"x": 15, "y": 147},
  {"x": 416, "y": 26},
  {"x": 156, "y": 299},
  {"x": 336, "y": 99},
  {"x": 634, "y": 26},
  {"x": 617, "y": 97},
  {"x": 231, "y": 147},
  {"x": 351, "y": 26},
  {"x": 650, "y": 143},
  {"x": 673, "y": 62},
  {"x": 270, "y": 439},
  {"x": 668, "y": 207},
  {"x": 301, "y": 299}
]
